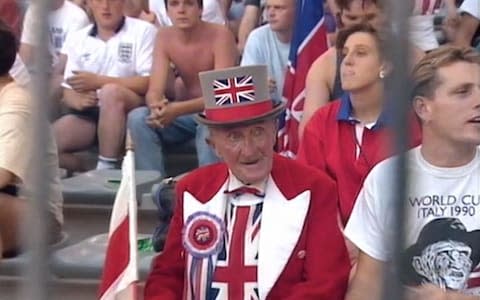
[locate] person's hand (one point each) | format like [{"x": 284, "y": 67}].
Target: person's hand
[
  {"x": 450, "y": 25},
  {"x": 426, "y": 291},
  {"x": 272, "y": 85},
  {"x": 83, "y": 81},
  {"x": 452, "y": 19},
  {"x": 153, "y": 120},
  {"x": 167, "y": 114},
  {"x": 87, "y": 100}
]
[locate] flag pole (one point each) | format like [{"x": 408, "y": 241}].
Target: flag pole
[{"x": 132, "y": 203}]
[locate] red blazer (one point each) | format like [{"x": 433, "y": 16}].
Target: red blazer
[{"x": 302, "y": 253}]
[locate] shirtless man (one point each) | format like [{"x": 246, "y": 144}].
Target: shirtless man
[
  {"x": 323, "y": 80},
  {"x": 192, "y": 46}
]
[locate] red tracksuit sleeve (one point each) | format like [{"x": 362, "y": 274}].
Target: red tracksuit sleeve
[
  {"x": 165, "y": 281},
  {"x": 311, "y": 151}
]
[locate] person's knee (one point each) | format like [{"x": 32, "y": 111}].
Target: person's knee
[
  {"x": 72, "y": 132},
  {"x": 60, "y": 135},
  {"x": 112, "y": 97}
]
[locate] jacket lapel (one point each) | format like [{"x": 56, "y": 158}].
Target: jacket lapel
[
  {"x": 282, "y": 224},
  {"x": 215, "y": 206}
]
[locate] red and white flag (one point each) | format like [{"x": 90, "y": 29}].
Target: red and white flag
[
  {"x": 120, "y": 271},
  {"x": 309, "y": 41}
]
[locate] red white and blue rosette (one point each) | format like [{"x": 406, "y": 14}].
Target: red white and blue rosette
[{"x": 203, "y": 234}]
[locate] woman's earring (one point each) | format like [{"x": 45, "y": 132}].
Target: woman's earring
[{"x": 381, "y": 74}]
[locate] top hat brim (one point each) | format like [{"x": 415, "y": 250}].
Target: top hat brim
[{"x": 275, "y": 112}]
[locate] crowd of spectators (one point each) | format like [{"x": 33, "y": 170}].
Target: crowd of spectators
[{"x": 134, "y": 64}]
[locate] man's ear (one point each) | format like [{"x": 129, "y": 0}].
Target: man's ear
[{"x": 422, "y": 108}]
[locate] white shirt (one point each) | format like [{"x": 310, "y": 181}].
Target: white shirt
[
  {"x": 128, "y": 53},
  {"x": 471, "y": 7},
  {"x": 434, "y": 194},
  {"x": 263, "y": 47},
  {"x": 62, "y": 21},
  {"x": 212, "y": 12},
  {"x": 422, "y": 31}
]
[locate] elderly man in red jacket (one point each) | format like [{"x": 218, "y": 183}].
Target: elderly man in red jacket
[{"x": 256, "y": 226}]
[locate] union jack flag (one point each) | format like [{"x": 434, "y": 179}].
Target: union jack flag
[
  {"x": 235, "y": 275},
  {"x": 309, "y": 41},
  {"x": 234, "y": 90}
]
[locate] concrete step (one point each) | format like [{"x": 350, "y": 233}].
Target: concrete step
[{"x": 59, "y": 289}]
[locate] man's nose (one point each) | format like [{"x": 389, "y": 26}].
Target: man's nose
[
  {"x": 248, "y": 146},
  {"x": 181, "y": 7}
]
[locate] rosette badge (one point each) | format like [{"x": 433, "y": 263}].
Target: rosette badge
[{"x": 203, "y": 234}]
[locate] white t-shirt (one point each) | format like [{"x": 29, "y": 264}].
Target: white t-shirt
[
  {"x": 471, "y": 7},
  {"x": 68, "y": 18},
  {"x": 263, "y": 47},
  {"x": 128, "y": 53},
  {"x": 422, "y": 33},
  {"x": 212, "y": 12},
  {"x": 442, "y": 222}
]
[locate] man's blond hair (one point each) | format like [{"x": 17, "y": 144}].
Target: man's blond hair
[{"x": 425, "y": 74}]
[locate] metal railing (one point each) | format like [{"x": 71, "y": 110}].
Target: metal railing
[{"x": 35, "y": 230}]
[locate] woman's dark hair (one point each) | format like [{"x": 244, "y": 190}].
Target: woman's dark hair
[
  {"x": 8, "y": 48},
  {"x": 344, "y": 34}
]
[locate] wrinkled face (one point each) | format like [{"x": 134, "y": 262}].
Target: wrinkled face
[
  {"x": 358, "y": 13},
  {"x": 281, "y": 14},
  {"x": 107, "y": 13},
  {"x": 184, "y": 13},
  {"x": 247, "y": 150},
  {"x": 446, "y": 264},
  {"x": 453, "y": 113},
  {"x": 361, "y": 62}
]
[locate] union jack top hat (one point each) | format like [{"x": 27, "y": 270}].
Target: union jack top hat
[{"x": 237, "y": 95}]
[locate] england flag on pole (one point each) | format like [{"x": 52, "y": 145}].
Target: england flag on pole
[
  {"x": 120, "y": 272},
  {"x": 308, "y": 43}
]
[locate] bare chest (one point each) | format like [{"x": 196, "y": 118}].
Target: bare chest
[{"x": 193, "y": 58}]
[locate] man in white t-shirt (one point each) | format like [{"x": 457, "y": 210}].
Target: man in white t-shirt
[
  {"x": 442, "y": 225},
  {"x": 270, "y": 44},
  {"x": 106, "y": 76},
  {"x": 63, "y": 18}
]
